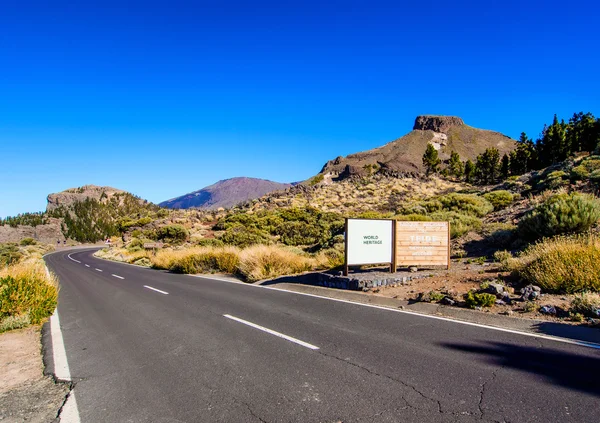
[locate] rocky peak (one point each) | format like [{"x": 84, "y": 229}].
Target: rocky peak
[
  {"x": 437, "y": 123},
  {"x": 73, "y": 195}
]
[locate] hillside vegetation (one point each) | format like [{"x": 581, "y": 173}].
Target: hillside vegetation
[
  {"x": 28, "y": 294},
  {"x": 508, "y": 207}
]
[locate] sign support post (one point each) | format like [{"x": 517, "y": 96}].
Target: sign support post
[
  {"x": 346, "y": 247},
  {"x": 394, "y": 264}
]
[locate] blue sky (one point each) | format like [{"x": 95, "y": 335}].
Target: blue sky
[{"x": 163, "y": 98}]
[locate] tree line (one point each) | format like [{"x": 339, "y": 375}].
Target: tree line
[{"x": 556, "y": 143}]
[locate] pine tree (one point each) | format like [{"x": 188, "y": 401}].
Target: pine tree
[
  {"x": 469, "y": 171},
  {"x": 431, "y": 161},
  {"x": 505, "y": 166},
  {"x": 487, "y": 166},
  {"x": 455, "y": 165}
]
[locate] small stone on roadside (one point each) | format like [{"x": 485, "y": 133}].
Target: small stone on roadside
[
  {"x": 447, "y": 301},
  {"x": 548, "y": 309}
]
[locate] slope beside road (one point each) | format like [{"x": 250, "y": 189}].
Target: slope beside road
[{"x": 149, "y": 346}]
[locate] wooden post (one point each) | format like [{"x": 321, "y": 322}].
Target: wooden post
[
  {"x": 346, "y": 247},
  {"x": 448, "y": 265},
  {"x": 394, "y": 258}
]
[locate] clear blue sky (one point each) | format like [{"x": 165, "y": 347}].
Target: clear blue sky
[{"x": 163, "y": 98}]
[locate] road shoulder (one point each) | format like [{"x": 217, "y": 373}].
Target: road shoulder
[{"x": 25, "y": 393}]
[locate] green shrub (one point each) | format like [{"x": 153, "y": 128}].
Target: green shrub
[
  {"x": 413, "y": 217},
  {"x": 27, "y": 294},
  {"x": 473, "y": 299},
  {"x": 557, "y": 179},
  {"x": 587, "y": 166},
  {"x": 243, "y": 237},
  {"x": 579, "y": 173},
  {"x": 143, "y": 221},
  {"x": 135, "y": 243},
  {"x": 530, "y": 307},
  {"x": 562, "y": 264},
  {"x": 172, "y": 233},
  {"x": 499, "y": 199},
  {"x": 316, "y": 179},
  {"x": 561, "y": 214},
  {"x": 586, "y": 304},
  {"x": 469, "y": 204},
  {"x": 503, "y": 257},
  {"x": 460, "y": 224},
  {"x": 209, "y": 242},
  {"x": 9, "y": 254},
  {"x": 28, "y": 241},
  {"x": 15, "y": 322}
]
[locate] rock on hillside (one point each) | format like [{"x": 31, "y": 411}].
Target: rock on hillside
[
  {"x": 47, "y": 233},
  {"x": 225, "y": 193},
  {"x": 73, "y": 195},
  {"x": 404, "y": 155}
]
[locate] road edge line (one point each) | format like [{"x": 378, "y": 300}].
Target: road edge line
[
  {"x": 587, "y": 344},
  {"x": 580, "y": 343},
  {"x": 69, "y": 412}
]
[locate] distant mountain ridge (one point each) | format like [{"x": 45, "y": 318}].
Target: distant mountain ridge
[{"x": 225, "y": 193}]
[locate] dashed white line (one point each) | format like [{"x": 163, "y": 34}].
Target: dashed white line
[
  {"x": 272, "y": 332},
  {"x": 99, "y": 270},
  {"x": 87, "y": 265},
  {"x": 117, "y": 276},
  {"x": 71, "y": 258},
  {"x": 157, "y": 290}
]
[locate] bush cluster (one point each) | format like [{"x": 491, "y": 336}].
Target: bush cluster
[
  {"x": 172, "y": 233},
  {"x": 474, "y": 299},
  {"x": 9, "y": 254},
  {"x": 253, "y": 263},
  {"x": 562, "y": 264},
  {"x": 561, "y": 214},
  {"x": 292, "y": 226},
  {"x": 499, "y": 199},
  {"x": 27, "y": 294}
]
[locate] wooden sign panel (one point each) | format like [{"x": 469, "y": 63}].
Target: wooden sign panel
[{"x": 422, "y": 244}]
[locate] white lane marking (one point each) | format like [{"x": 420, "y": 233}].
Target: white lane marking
[
  {"x": 87, "y": 265},
  {"x": 71, "y": 258},
  {"x": 70, "y": 412},
  {"x": 99, "y": 270},
  {"x": 157, "y": 290},
  {"x": 587, "y": 344},
  {"x": 117, "y": 276},
  {"x": 272, "y": 332}
]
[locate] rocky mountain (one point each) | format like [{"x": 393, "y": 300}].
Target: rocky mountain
[
  {"x": 404, "y": 155},
  {"x": 86, "y": 214},
  {"x": 71, "y": 196},
  {"x": 225, "y": 193}
]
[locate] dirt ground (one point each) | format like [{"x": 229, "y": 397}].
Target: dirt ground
[
  {"x": 26, "y": 395},
  {"x": 462, "y": 277}
]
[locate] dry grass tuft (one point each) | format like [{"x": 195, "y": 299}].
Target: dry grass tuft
[
  {"x": 562, "y": 264},
  {"x": 27, "y": 293},
  {"x": 266, "y": 261}
]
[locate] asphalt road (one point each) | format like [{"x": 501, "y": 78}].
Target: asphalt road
[{"x": 149, "y": 346}]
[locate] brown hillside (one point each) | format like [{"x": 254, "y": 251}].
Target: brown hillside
[{"x": 404, "y": 155}]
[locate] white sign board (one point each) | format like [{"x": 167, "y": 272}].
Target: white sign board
[{"x": 369, "y": 241}]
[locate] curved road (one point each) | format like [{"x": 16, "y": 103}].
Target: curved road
[{"x": 150, "y": 346}]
